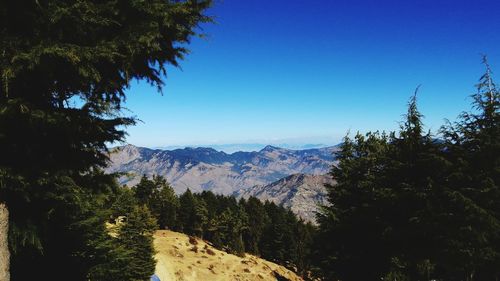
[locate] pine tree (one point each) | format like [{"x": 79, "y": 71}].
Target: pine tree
[
  {"x": 351, "y": 232},
  {"x": 165, "y": 206},
  {"x": 186, "y": 213},
  {"x": 386, "y": 206},
  {"x": 408, "y": 207},
  {"x": 145, "y": 191},
  {"x": 125, "y": 201},
  {"x": 136, "y": 235},
  {"x": 63, "y": 76},
  {"x": 473, "y": 146},
  {"x": 414, "y": 175},
  {"x": 160, "y": 198},
  {"x": 200, "y": 217},
  {"x": 257, "y": 221},
  {"x": 305, "y": 233}
]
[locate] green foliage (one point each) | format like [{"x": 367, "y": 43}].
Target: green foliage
[
  {"x": 70, "y": 211},
  {"x": 237, "y": 227},
  {"x": 127, "y": 246},
  {"x": 165, "y": 207},
  {"x": 160, "y": 198},
  {"x": 136, "y": 235},
  {"x": 145, "y": 191},
  {"x": 124, "y": 203},
  {"x": 473, "y": 146},
  {"x": 408, "y": 207},
  {"x": 257, "y": 221},
  {"x": 187, "y": 213},
  {"x": 64, "y": 69}
]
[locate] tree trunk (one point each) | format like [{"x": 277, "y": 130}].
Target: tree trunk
[{"x": 4, "y": 243}]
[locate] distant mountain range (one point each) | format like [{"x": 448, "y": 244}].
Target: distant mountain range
[
  {"x": 236, "y": 147},
  {"x": 293, "y": 178},
  {"x": 208, "y": 169}
]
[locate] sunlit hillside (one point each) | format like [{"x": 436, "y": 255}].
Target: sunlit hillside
[{"x": 183, "y": 258}]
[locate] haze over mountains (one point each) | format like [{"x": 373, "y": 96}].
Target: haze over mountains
[
  {"x": 293, "y": 178},
  {"x": 248, "y": 147}
]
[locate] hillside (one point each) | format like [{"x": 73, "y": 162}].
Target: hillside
[
  {"x": 207, "y": 169},
  {"x": 301, "y": 193},
  {"x": 181, "y": 258}
]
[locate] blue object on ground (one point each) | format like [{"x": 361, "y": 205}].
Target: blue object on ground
[{"x": 155, "y": 278}]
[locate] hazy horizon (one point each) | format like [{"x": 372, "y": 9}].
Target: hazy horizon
[{"x": 235, "y": 147}]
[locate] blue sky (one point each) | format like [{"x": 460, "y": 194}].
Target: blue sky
[{"x": 273, "y": 71}]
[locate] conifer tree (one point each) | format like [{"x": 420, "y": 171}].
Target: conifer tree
[
  {"x": 257, "y": 220},
  {"x": 408, "y": 207},
  {"x": 187, "y": 213},
  {"x": 123, "y": 204},
  {"x": 473, "y": 146},
  {"x": 305, "y": 233},
  {"x": 64, "y": 68},
  {"x": 351, "y": 231},
  {"x": 145, "y": 191},
  {"x": 414, "y": 178},
  {"x": 160, "y": 199},
  {"x": 200, "y": 217},
  {"x": 165, "y": 206},
  {"x": 136, "y": 235},
  {"x": 385, "y": 206}
]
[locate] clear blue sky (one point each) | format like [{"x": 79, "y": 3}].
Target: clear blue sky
[{"x": 276, "y": 71}]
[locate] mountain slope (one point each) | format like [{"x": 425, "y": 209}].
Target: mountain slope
[
  {"x": 302, "y": 193},
  {"x": 181, "y": 258},
  {"x": 207, "y": 169}
]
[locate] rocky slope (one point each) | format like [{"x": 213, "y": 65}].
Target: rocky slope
[
  {"x": 302, "y": 193},
  {"x": 207, "y": 169},
  {"x": 181, "y": 258}
]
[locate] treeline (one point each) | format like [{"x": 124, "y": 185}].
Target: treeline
[
  {"x": 250, "y": 226},
  {"x": 409, "y": 205}
]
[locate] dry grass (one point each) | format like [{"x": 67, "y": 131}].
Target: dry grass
[{"x": 178, "y": 262}]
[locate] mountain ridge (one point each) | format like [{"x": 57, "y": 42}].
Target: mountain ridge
[
  {"x": 302, "y": 193},
  {"x": 204, "y": 168}
]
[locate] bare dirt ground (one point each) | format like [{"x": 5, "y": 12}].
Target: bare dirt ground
[{"x": 183, "y": 258}]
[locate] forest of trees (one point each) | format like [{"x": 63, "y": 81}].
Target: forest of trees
[{"x": 238, "y": 227}]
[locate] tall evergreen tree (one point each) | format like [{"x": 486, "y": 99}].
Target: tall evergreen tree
[
  {"x": 384, "y": 212},
  {"x": 165, "y": 205},
  {"x": 187, "y": 213},
  {"x": 413, "y": 177},
  {"x": 145, "y": 191},
  {"x": 64, "y": 68},
  {"x": 160, "y": 198},
  {"x": 136, "y": 235},
  {"x": 123, "y": 204},
  {"x": 257, "y": 221},
  {"x": 305, "y": 233},
  {"x": 473, "y": 146},
  {"x": 408, "y": 207},
  {"x": 351, "y": 229}
]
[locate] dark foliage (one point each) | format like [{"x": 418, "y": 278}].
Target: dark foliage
[
  {"x": 64, "y": 67},
  {"x": 408, "y": 207},
  {"x": 250, "y": 226}
]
